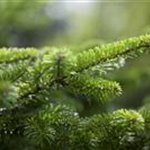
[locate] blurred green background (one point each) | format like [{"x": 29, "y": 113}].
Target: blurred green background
[{"x": 80, "y": 25}]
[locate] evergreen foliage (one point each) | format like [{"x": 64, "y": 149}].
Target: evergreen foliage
[{"x": 31, "y": 117}]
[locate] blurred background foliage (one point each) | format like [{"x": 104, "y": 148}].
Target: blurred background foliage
[{"x": 80, "y": 26}]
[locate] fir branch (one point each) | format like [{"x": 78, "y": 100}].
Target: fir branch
[
  {"x": 59, "y": 127},
  {"x": 10, "y": 55},
  {"x": 13, "y": 73},
  {"x": 88, "y": 86},
  {"x": 110, "y": 51}
]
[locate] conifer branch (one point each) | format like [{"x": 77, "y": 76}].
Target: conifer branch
[
  {"x": 110, "y": 51},
  {"x": 88, "y": 86},
  {"x": 30, "y": 77},
  {"x": 10, "y": 55}
]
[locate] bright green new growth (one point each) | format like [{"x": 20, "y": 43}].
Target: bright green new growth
[
  {"x": 14, "y": 54},
  {"x": 28, "y": 78}
]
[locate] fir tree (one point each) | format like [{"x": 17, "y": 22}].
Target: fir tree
[{"x": 32, "y": 118}]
